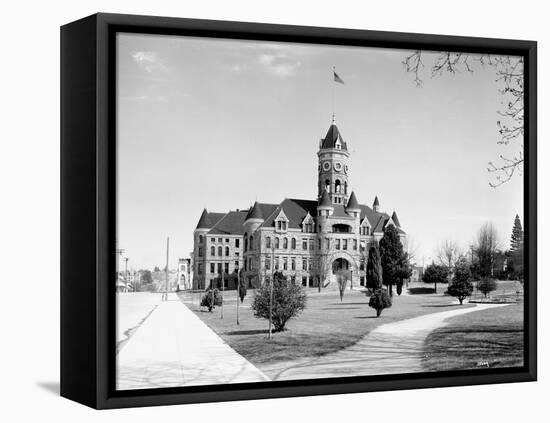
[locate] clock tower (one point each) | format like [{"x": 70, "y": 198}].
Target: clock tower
[{"x": 333, "y": 157}]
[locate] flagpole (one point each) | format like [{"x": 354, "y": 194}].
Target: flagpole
[{"x": 333, "y": 84}]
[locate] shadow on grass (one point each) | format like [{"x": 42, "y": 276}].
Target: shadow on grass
[
  {"x": 416, "y": 291},
  {"x": 247, "y": 332},
  {"x": 440, "y": 305},
  {"x": 346, "y": 304},
  {"x": 365, "y": 317},
  {"x": 341, "y": 308}
]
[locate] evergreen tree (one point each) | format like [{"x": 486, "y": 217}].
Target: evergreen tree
[
  {"x": 516, "y": 240},
  {"x": 374, "y": 269},
  {"x": 393, "y": 257}
]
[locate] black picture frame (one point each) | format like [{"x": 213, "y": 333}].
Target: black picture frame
[{"x": 88, "y": 209}]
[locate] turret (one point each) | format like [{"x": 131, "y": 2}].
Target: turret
[
  {"x": 352, "y": 207},
  {"x": 376, "y": 205},
  {"x": 254, "y": 218}
]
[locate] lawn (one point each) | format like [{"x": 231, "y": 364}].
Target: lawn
[
  {"x": 327, "y": 325},
  {"x": 488, "y": 338}
]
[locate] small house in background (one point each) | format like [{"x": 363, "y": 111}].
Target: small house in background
[
  {"x": 185, "y": 277},
  {"x": 417, "y": 273}
]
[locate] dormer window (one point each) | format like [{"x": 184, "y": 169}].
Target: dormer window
[{"x": 281, "y": 222}]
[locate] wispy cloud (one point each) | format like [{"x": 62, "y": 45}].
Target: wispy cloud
[
  {"x": 279, "y": 63},
  {"x": 150, "y": 62}
]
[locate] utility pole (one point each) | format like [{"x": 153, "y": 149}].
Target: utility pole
[
  {"x": 166, "y": 270},
  {"x": 238, "y": 291},
  {"x": 223, "y": 286}
]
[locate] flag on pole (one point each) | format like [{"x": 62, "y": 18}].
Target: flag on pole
[{"x": 337, "y": 78}]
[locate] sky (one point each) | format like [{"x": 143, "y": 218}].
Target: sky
[{"x": 219, "y": 124}]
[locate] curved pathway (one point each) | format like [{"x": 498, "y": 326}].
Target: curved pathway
[{"x": 391, "y": 348}]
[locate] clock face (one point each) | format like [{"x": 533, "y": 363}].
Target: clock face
[
  {"x": 326, "y": 166},
  {"x": 337, "y": 166}
]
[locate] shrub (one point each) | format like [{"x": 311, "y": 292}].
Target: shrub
[
  {"x": 379, "y": 301},
  {"x": 289, "y": 300},
  {"x": 206, "y": 300},
  {"x": 461, "y": 285},
  {"x": 486, "y": 285}
]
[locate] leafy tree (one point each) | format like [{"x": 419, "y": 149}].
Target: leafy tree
[
  {"x": 403, "y": 272},
  {"x": 486, "y": 285},
  {"x": 289, "y": 300},
  {"x": 211, "y": 301},
  {"x": 379, "y": 301},
  {"x": 461, "y": 286},
  {"x": 374, "y": 269},
  {"x": 516, "y": 240},
  {"x": 146, "y": 277},
  {"x": 156, "y": 269},
  {"x": 393, "y": 258},
  {"x": 435, "y": 273}
]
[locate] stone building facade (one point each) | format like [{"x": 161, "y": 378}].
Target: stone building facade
[{"x": 310, "y": 241}]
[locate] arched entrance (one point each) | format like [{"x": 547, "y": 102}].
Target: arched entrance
[{"x": 340, "y": 265}]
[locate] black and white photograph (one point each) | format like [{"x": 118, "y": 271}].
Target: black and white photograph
[{"x": 295, "y": 211}]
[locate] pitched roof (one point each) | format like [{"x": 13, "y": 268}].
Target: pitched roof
[
  {"x": 395, "y": 219},
  {"x": 353, "y": 204},
  {"x": 333, "y": 134},
  {"x": 255, "y": 212},
  {"x": 295, "y": 209},
  {"x": 325, "y": 200},
  {"x": 230, "y": 224},
  {"x": 375, "y": 219},
  {"x": 208, "y": 220}
]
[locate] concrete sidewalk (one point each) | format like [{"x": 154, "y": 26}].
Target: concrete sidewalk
[
  {"x": 389, "y": 349},
  {"x": 173, "y": 347}
]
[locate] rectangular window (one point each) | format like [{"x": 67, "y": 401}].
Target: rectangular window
[
  {"x": 293, "y": 264},
  {"x": 226, "y": 265},
  {"x": 345, "y": 244},
  {"x": 309, "y": 264},
  {"x": 268, "y": 242},
  {"x": 237, "y": 243},
  {"x": 327, "y": 242},
  {"x": 362, "y": 281},
  {"x": 285, "y": 263},
  {"x": 201, "y": 252},
  {"x": 212, "y": 268},
  {"x": 276, "y": 263},
  {"x": 304, "y": 264},
  {"x": 267, "y": 265},
  {"x": 304, "y": 280},
  {"x": 213, "y": 239},
  {"x": 304, "y": 244},
  {"x": 219, "y": 240},
  {"x": 311, "y": 244},
  {"x": 219, "y": 267},
  {"x": 199, "y": 269},
  {"x": 237, "y": 265},
  {"x": 337, "y": 244},
  {"x": 226, "y": 239},
  {"x": 355, "y": 244}
]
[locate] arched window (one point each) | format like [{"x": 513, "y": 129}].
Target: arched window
[
  {"x": 219, "y": 250},
  {"x": 226, "y": 251},
  {"x": 327, "y": 185},
  {"x": 293, "y": 243},
  {"x": 201, "y": 238},
  {"x": 212, "y": 251},
  {"x": 276, "y": 242},
  {"x": 285, "y": 243},
  {"x": 345, "y": 187},
  {"x": 251, "y": 242},
  {"x": 337, "y": 186},
  {"x": 268, "y": 242}
]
